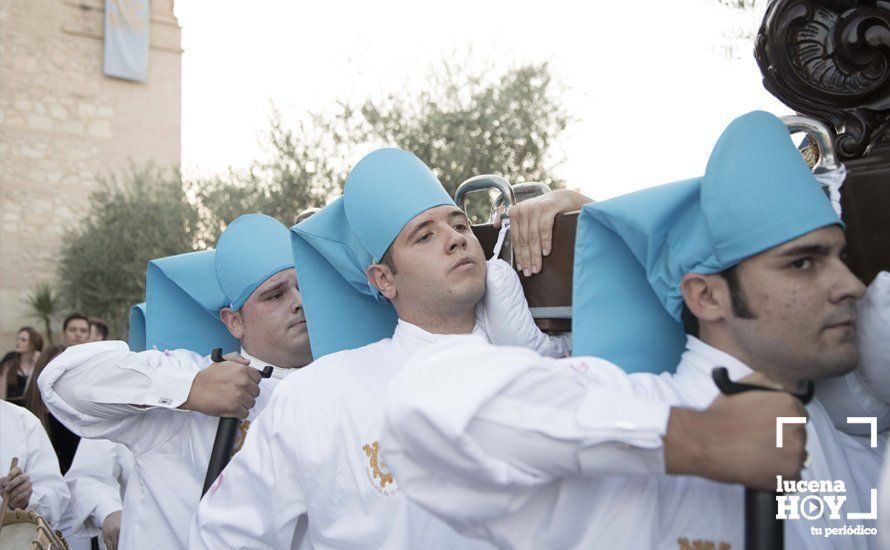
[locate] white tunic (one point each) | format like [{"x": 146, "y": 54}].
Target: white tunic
[
  {"x": 513, "y": 465},
  {"x": 314, "y": 455},
  {"x": 312, "y": 472},
  {"x": 101, "y": 390},
  {"x": 97, "y": 481},
  {"x": 22, "y": 436}
]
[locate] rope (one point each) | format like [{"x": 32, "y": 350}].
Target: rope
[
  {"x": 832, "y": 180},
  {"x": 502, "y": 234}
]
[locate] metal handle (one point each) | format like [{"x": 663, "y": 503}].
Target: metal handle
[
  {"x": 806, "y": 389},
  {"x": 484, "y": 182},
  {"x": 488, "y": 182},
  {"x": 521, "y": 192},
  {"x": 821, "y": 136}
]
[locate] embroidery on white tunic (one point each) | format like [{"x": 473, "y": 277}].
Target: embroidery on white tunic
[{"x": 378, "y": 474}]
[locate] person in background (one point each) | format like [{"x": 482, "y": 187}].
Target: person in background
[
  {"x": 104, "y": 391},
  {"x": 63, "y": 440},
  {"x": 98, "y": 330},
  {"x": 98, "y": 481},
  {"x": 75, "y": 329},
  {"x": 35, "y": 484},
  {"x": 17, "y": 366}
]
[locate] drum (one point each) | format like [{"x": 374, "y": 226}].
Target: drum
[{"x": 27, "y": 530}]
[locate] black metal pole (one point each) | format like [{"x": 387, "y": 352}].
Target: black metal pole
[
  {"x": 226, "y": 432},
  {"x": 763, "y": 530}
]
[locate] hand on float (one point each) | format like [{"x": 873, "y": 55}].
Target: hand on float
[
  {"x": 111, "y": 530},
  {"x": 17, "y": 485},
  {"x": 734, "y": 440},
  {"x": 531, "y": 226},
  {"x": 227, "y": 389}
]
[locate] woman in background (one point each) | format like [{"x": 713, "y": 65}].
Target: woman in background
[
  {"x": 17, "y": 367},
  {"x": 64, "y": 442}
]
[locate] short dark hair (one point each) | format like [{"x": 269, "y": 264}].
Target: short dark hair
[
  {"x": 388, "y": 260},
  {"x": 101, "y": 326},
  {"x": 740, "y": 306},
  {"x": 73, "y": 317}
]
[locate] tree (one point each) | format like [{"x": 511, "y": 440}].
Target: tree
[
  {"x": 464, "y": 125},
  {"x": 738, "y": 41},
  {"x": 300, "y": 173},
  {"x": 44, "y": 304},
  {"x": 460, "y": 124},
  {"x": 130, "y": 220},
  {"x": 740, "y": 4}
]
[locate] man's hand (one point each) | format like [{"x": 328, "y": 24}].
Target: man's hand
[
  {"x": 227, "y": 389},
  {"x": 734, "y": 440},
  {"x": 531, "y": 226},
  {"x": 18, "y": 485},
  {"x": 111, "y": 530}
]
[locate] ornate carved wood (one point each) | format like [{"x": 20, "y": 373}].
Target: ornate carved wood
[{"x": 830, "y": 59}]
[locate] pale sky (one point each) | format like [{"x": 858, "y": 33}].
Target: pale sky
[{"x": 648, "y": 85}]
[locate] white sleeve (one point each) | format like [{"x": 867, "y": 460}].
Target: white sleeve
[
  {"x": 49, "y": 496},
  {"x": 884, "y": 503},
  {"x": 504, "y": 314},
  {"x": 469, "y": 418},
  {"x": 258, "y": 500},
  {"x": 102, "y": 390},
  {"x": 95, "y": 486},
  {"x": 866, "y": 390}
]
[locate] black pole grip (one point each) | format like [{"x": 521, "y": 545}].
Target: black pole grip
[
  {"x": 226, "y": 432},
  {"x": 763, "y": 531}
]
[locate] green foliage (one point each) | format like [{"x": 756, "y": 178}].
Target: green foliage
[
  {"x": 298, "y": 175},
  {"x": 44, "y": 303},
  {"x": 131, "y": 220},
  {"x": 464, "y": 125},
  {"x": 742, "y": 5},
  {"x": 460, "y": 124}
]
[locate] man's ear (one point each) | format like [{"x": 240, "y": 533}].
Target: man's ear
[
  {"x": 382, "y": 278},
  {"x": 706, "y": 296},
  {"x": 233, "y": 322}
]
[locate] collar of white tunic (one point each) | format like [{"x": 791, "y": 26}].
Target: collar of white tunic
[
  {"x": 698, "y": 361},
  {"x": 277, "y": 372},
  {"x": 409, "y": 338}
]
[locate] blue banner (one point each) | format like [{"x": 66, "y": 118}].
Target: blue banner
[{"x": 127, "y": 25}]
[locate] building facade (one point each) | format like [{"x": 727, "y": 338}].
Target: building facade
[{"x": 63, "y": 123}]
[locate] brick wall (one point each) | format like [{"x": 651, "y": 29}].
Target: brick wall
[{"x": 62, "y": 122}]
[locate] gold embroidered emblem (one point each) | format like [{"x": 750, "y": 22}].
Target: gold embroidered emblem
[
  {"x": 242, "y": 435},
  {"x": 372, "y": 451},
  {"x": 685, "y": 544}
]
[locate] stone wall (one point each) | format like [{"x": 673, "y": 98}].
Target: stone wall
[{"x": 62, "y": 123}]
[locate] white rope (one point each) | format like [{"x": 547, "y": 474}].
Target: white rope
[
  {"x": 832, "y": 180},
  {"x": 502, "y": 234}
]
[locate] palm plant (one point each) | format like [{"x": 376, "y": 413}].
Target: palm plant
[{"x": 44, "y": 303}]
